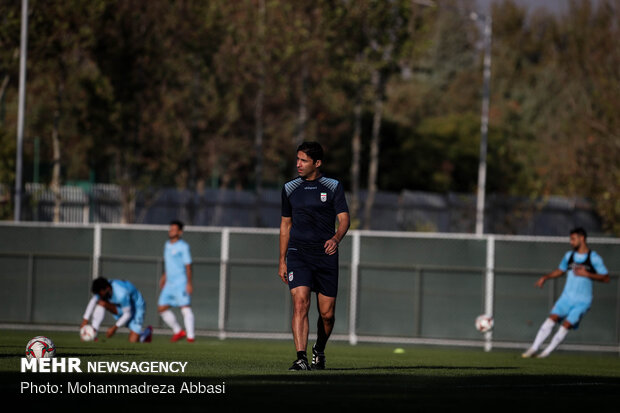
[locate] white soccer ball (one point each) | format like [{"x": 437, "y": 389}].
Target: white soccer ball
[
  {"x": 484, "y": 323},
  {"x": 40, "y": 347},
  {"x": 88, "y": 333}
]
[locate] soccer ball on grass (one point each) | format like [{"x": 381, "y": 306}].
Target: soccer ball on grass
[
  {"x": 88, "y": 333},
  {"x": 40, "y": 347},
  {"x": 484, "y": 323}
]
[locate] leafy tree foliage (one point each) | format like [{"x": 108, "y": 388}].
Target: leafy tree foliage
[{"x": 147, "y": 94}]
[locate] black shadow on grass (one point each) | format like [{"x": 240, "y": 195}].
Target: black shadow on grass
[{"x": 404, "y": 368}]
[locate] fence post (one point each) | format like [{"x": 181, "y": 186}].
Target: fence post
[
  {"x": 96, "y": 250},
  {"x": 224, "y": 256},
  {"x": 417, "y": 315},
  {"x": 489, "y": 288},
  {"x": 355, "y": 263},
  {"x": 86, "y": 214}
]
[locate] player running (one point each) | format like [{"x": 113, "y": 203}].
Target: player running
[
  {"x": 309, "y": 249},
  {"x": 176, "y": 284},
  {"x": 124, "y": 301},
  {"x": 583, "y": 266}
]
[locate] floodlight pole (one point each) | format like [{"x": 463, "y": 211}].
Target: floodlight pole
[
  {"x": 484, "y": 121},
  {"x": 23, "y": 46}
]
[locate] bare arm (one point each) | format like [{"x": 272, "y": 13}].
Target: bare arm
[
  {"x": 285, "y": 235},
  {"x": 553, "y": 274},
  {"x": 331, "y": 245},
  {"x": 188, "y": 272}
]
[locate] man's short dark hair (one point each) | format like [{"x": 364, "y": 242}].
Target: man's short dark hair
[
  {"x": 177, "y": 223},
  {"x": 99, "y": 284},
  {"x": 313, "y": 149},
  {"x": 579, "y": 231}
]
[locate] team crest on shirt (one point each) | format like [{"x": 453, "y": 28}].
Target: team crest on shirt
[
  {"x": 290, "y": 276},
  {"x": 323, "y": 196}
]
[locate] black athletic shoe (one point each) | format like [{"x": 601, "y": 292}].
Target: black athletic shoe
[
  {"x": 318, "y": 360},
  {"x": 300, "y": 364}
]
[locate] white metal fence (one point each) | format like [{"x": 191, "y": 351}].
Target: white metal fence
[{"x": 424, "y": 285}]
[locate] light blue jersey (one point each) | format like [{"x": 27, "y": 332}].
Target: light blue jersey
[
  {"x": 176, "y": 257},
  {"x": 576, "y": 297},
  {"x": 125, "y": 294},
  {"x": 579, "y": 289}
]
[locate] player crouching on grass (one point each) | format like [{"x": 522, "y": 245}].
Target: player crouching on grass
[{"x": 124, "y": 301}]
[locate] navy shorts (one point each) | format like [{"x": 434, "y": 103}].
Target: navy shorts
[{"x": 314, "y": 269}]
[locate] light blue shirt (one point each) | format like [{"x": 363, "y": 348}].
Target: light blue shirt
[
  {"x": 125, "y": 294},
  {"x": 176, "y": 257},
  {"x": 580, "y": 288}
]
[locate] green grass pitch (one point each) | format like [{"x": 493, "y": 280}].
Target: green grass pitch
[{"x": 366, "y": 376}]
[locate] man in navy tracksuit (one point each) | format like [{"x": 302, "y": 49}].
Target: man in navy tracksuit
[{"x": 309, "y": 240}]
